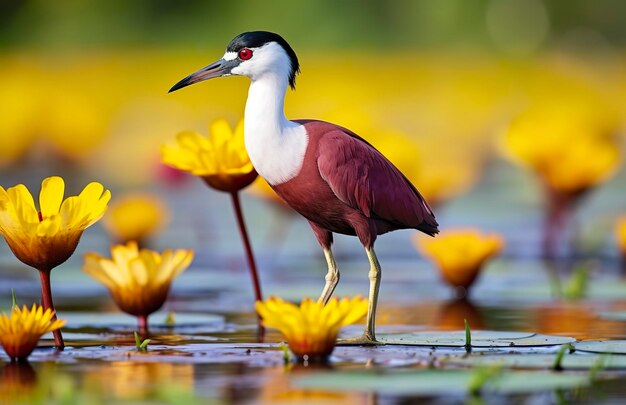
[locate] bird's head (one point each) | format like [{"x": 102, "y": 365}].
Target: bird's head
[{"x": 252, "y": 54}]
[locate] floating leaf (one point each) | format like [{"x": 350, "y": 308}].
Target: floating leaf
[
  {"x": 481, "y": 376},
  {"x": 602, "y": 346},
  {"x": 438, "y": 382},
  {"x": 481, "y": 338},
  {"x": 539, "y": 361}
]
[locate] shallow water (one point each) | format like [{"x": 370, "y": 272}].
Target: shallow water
[{"x": 213, "y": 353}]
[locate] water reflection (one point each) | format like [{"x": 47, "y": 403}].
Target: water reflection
[
  {"x": 278, "y": 389},
  {"x": 17, "y": 382},
  {"x": 575, "y": 319},
  {"x": 451, "y": 315},
  {"x": 131, "y": 380}
]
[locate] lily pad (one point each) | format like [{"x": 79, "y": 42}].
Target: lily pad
[
  {"x": 602, "y": 346},
  {"x": 439, "y": 382},
  {"x": 542, "y": 361},
  {"x": 480, "y": 338}
]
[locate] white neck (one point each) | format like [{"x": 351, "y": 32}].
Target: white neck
[
  {"x": 276, "y": 145},
  {"x": 266, "y": 102}
]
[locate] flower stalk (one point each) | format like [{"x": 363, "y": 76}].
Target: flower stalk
[
  {"x": 559, "y": 210},
  {"x": 258, "y": 296},
  {"x": 46, "y": 235},
  {"x": 46, "y": 301},
  {"x": 142, "y": 323},
  {"x": 222, "y": 162}
]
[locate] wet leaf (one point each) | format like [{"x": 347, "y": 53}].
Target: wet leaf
[
  {"x": 541, "y": 361},
  {"x": 438, "y": 382},
  {"x": 480, "y": 338},
  {"x": 602, "y": 346}
]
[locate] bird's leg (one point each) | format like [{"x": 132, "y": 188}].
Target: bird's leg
[
  {"x": 369, "y": 335},
  {"x": 332, "y": 277},
  {"x": 374, "y": 276}
]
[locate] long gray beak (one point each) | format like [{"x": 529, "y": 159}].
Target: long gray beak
[{"x": 219, "y": 68}]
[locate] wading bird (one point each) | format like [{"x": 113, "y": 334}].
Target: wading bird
[{"x": 331, "y": 176}]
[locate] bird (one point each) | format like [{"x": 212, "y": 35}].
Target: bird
[{"x": 333, "y": 177}]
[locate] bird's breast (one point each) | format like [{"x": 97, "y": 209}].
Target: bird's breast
[{"x": 277, "y": 153}]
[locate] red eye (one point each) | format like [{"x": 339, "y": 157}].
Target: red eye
[{"x": 245, "y": 54}]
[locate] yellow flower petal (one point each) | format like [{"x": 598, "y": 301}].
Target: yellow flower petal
[
  {"x": 138, "y": 279},
  {"x": 220, "y": 159},
  {"x": 21, "y": 330},
  {"x": 311, "y": 329},
  {"x": 23, "y": 204},
  {"x": 135, "y": 217},
  {"x": 48, "y": 239},
  {"x": 51, "y": 196},
  {"x": 459, "y": 255}
]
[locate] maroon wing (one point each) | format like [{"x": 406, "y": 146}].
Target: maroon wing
[{"x": 363, "y": 178}]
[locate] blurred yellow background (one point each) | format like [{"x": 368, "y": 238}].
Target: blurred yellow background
[{"x": 443, "y": 88}]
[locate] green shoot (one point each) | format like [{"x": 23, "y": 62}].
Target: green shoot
[
  {"x": 13, "y": 299},
  {"x": 558, "y": 359},
  {"x": 142, "y": 346},
  {"x": 598, "y": 366},
  {"x": 468, "y": 337},
  {"x": 286, "y": 353},
  {"x": 576, "y": 286},
  {"x": 481, "y": 375},
  {"x": 170, "y": 319}
]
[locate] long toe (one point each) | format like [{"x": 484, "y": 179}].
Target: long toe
[{"x": 363, "y": 340}]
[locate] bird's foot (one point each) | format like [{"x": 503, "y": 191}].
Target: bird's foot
[{"x": 363, "y": 340}]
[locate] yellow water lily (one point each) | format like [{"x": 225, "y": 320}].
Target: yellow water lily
[
  {"x": 460, "y": 254},
  {"x": 220, "y": 160},
  {"x": 135, "y": 217},
  {"x": 46, "y": 237},
  {"x": 21, "y": 330},
  {"x": 620, "y": 235},
  {"x": 138, "y": 279},
  {"x": 311, "y": 329},
  {"x": 569, "y": 143},
  {"x": 570, "y": 152}
]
